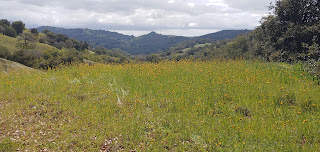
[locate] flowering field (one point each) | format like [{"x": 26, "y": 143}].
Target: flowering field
[{"x": 169, "y": 106}]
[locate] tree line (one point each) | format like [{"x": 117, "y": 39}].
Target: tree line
[{"x": 11, "y": 29}]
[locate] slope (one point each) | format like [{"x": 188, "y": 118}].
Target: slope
[
  {"x": 106, "y": 39},
  {"x": 10, "y": 43},
  {"x": 7, "y": 66}
]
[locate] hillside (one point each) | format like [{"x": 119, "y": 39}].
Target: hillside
[
  {"x": 7, "y": 66},
  {"x": 225, "y": 34},
  {"x": 153, "y": 42},
  {"x": 10, "y": 43},
  {"x": 102, "y": 38},
  {"x": 145, "y": 44}
]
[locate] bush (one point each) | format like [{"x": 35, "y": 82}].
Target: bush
[{"x": 4, "y": 52}]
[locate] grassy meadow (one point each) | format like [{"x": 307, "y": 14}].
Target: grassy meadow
[{"x": 169, "y": 106}]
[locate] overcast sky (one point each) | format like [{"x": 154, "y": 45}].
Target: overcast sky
[{"x": 137, "y": 17}]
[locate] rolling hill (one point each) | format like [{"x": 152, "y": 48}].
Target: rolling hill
[{"x": 145, "y": 44}]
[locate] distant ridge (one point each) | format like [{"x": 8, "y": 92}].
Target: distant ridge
[
  {"x": 224, "y": 34},
  {"x": 145, "y": 44}
]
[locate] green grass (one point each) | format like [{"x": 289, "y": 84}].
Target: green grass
[
  {"x": 196, "y": 46},
  {"x": 170, "y": 106},
  {"x": 202, "y": 45},
  {"x": 10, "y": 43}
]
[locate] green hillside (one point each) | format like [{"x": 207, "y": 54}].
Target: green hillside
[{"x": 10, "y": 43}]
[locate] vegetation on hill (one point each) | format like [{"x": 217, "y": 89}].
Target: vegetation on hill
[
  {"x": 169, "y": 106},
  {"x": 155, "y": 42},
  {"x": 207, "y": 49},
  {"x": 107, "y": 39},
  {"x": 48, "y": 50}
]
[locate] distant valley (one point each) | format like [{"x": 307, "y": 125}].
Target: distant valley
[{"x": 145, "y": 44}]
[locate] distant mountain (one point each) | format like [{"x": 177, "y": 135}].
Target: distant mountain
[
  {"x": 102, "y": 38},
  {"x": 154, "y": 42},
  {"x": 145, "y": 44}
]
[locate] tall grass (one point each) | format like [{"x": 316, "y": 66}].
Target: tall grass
[{"x": 169, "y": 106}]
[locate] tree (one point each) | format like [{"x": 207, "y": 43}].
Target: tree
[
  {"x": 4, "y": 52},
  {"x": 4, "y": 22},
  {"x": 34, "y": 31},
  {"x": 2, "y": 29},
  {"x": 282, "y": 36},
  {"x": 18, "y": 26},
  {"x": 26, "y": 41},
  {"x": 302, "y": 12},
  {"x": 9, "y": 31},
  {"x": 61, "y": 38},
  {"x": 46, "y": 31}
]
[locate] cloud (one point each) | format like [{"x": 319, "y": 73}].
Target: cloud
[
  {"x": 252, "y": 5},
  {"x": 138, "y": 15}
]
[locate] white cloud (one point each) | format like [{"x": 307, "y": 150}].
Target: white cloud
[
  {"x": 171, "y": 1},
  {"x": 193, "y": 24},
  {"x": 191, "y": 4},
  {"x": 139, "y": 15}
]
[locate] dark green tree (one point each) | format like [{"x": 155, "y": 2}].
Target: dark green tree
[
  {"x": 9, "y": 31},
  {"x": 2, "y": 29},
  {"x": 283, "y": 35},
  {"x": 46, "y": 31},
  {"x": 34, "y": 31},
  {"x": 4, "y": 22},
  {"x": 18, "y": 26},
  {"x": 4, "y": 52}
]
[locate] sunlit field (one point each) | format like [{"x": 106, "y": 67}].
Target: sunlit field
[{"x": 169, "y": 106}]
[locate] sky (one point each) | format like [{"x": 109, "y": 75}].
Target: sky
[{"x": 138, "y": 17}]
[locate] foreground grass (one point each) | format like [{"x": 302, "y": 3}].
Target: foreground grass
[{"x": 170, "y": 106}]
